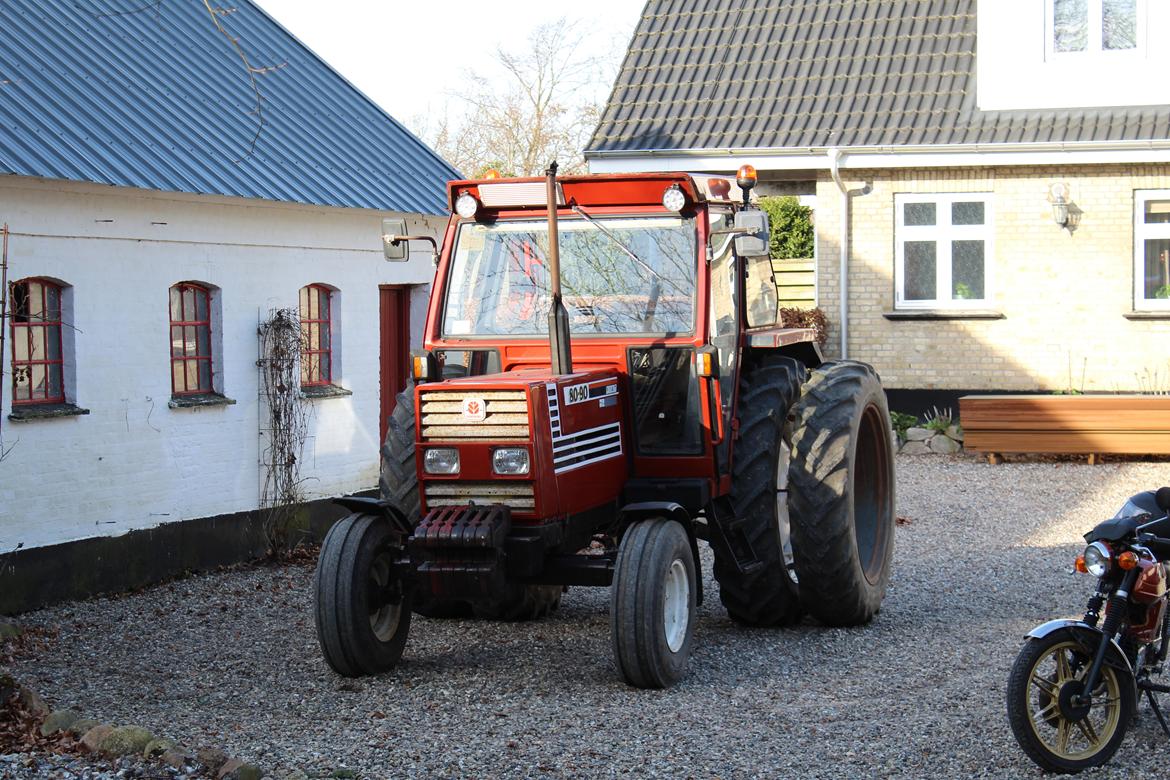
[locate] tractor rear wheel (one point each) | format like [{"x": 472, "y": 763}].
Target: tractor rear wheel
[
  {"x": 769, "y": 595},
  {"x": 652, "y": 604},
  {"x": 361, "y": 610},
  {"x": 398, "y": 485},
  {"x": 520, "y": 602},
  {"x": 842, "y": 493}
]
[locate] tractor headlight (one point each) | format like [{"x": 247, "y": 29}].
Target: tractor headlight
[
  {"x": 466, "y": 205},
  {"x": 510, "y": 460},
  {"x": 1098, "y": 559},
  {"x": 441, "y": 460},
  {"x": 674, "y": 198}
]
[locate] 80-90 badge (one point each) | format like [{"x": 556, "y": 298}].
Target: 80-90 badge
[{"x": 577, "y": 394}]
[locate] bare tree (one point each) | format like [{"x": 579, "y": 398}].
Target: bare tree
[{"x": 545, "y": 109}]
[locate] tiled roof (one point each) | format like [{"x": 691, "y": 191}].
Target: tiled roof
[
  {"x": 152, "y": 95},
  {"x": 717, "y": 74}
]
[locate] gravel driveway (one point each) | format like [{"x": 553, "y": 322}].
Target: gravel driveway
[{"x": 231, "y": 659}]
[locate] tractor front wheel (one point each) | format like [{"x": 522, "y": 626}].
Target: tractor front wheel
[
  {"x": 652, "y": 604},
  {"x": 362, "y": 611},
  {"x": 841, "y": 490}
]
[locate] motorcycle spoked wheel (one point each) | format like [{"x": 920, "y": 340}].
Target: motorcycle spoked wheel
[{"x": 1057, "y": 736}]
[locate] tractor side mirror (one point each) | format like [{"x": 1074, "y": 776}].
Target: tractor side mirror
[
  {"x": 754, "y": 242},
  {"x": 394, "y": 244}
]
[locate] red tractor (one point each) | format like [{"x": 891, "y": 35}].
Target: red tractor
[{"x": 604, "y": 385}]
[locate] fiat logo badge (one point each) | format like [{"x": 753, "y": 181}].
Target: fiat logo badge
[{"x": 474, "y": 409}]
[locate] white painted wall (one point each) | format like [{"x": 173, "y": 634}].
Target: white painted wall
[
  {"x": 133, "y": 462},
  {"x": 1018, "y": 70}
]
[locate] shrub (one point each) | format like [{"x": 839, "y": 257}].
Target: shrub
[
  {"x": 791, "y": 227},
  {"x": 806, "y": 318},
  {"x": 901, "y": 422}
]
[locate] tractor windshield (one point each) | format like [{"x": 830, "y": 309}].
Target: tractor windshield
[{"x": 499, "y": 283}]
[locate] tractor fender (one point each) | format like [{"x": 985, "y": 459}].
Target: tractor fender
[
  {"x": 644, "y": 510},
  {"x": 379, "y": 508},
  {"x": 1091, "y": 637}
]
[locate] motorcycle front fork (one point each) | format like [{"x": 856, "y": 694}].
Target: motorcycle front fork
[{"x": 1115, "y": 615}]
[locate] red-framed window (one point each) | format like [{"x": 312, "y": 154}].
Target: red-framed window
[
  {"x": 316, "y": 335},
  {"x": 191, "y": 359},
  {"x": 38, "y": 364}
]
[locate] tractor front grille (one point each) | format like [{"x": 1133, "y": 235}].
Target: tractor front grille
[
  {"x": 519, "y": 496},
  {"x": 443, "y": 419}
]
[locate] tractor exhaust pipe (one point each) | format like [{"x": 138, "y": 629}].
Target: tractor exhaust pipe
[{"x": 560, "y": 352}]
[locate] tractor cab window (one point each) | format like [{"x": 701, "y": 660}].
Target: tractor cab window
[{"x": 637, "y": 279}]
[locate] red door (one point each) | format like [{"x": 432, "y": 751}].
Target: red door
[{"x": 394, "y": 318}]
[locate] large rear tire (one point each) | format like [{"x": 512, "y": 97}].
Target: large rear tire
[
  {"x": 520, "y": 602},
  {"x": 768, "y": 596},
  {"x": 652, "y": 604},
  {"x": 362, "y": 614},
  {"x": 841, "y": 493},
  {"x": 398, "y": 485}
]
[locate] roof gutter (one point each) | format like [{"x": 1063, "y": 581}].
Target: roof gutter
[
  {"x": 834, "y": 156},
  {"x": 1161, "y": 144}
]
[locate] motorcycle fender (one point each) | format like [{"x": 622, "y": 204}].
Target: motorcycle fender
[{"x": 1091, "y": 636}]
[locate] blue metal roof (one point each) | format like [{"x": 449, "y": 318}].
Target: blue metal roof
[{"x": 157, "y": 98}]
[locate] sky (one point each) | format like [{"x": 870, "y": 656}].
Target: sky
[{"x": 407, "y": 56}]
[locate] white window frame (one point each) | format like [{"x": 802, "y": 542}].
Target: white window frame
[
  {"x": 1141, "y": 232},
  {"x": 942, "y": 235},
  {"x": 1094, "y": 45}
]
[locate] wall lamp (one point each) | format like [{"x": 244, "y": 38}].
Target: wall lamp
[{"x": 1058, "y": 197}]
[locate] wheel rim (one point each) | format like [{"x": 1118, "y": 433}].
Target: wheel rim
[
  {"x": 384, "y": 616},
  {"x": 871, "y": 492},
  {"x": 676, "y": 606},
  {"x": 1058, "y": 668},
  {"x": 783, "y": 523}
]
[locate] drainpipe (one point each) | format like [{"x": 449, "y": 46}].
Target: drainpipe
[{"x": 843, "y": 242}]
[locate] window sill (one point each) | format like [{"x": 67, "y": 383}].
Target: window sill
[
  {"x": 199, "y": 400},
  {"x": 324, "y": 391},
  {"x": 45, "y": 412},
  {"x": 944, "y": 314},
  {"x": 1147, "y": 315}
]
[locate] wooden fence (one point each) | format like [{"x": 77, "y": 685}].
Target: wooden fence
[{"x": 796, "y": 283}]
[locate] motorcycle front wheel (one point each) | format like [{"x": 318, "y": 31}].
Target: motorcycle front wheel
[{"x": 1055, "y": 733}]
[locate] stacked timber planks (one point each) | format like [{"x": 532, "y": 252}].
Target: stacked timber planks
[{"x": 1072, "y": 424}]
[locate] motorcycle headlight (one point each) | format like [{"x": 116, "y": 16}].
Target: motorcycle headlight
[
  {"x": 441, "y": 460},
  {"x": 1098, "y": 559},
  {"x": 510, "y": 460}
]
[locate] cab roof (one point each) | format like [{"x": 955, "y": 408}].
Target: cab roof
[{"x": 603, "y": 189}]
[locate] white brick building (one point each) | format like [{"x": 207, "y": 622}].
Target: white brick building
[{"x": 116, "y": 418}]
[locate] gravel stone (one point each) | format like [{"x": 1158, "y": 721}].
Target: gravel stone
[
  {"x": 943, "y": 445},
  {"x": 9, "y": 631},
  {"x": 231, "y": 659},
  {"x": 58, "y": 720},
  {"x": 125, "y": 741},
  {"x": 92, "y": 739}
]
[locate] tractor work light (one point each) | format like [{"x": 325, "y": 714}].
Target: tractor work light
[
  {"x": 441, "y": 460},
  {"x": 746, "y": 177},
  {"x": 674, "y": 198},
  {"x": 466, "y": 205},
  {"x": 508, "y": 461}
]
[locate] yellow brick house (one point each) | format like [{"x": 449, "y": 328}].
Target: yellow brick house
[{"x": 991, "y": 181}]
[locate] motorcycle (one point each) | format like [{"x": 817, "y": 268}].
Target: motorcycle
[{"x": 1074, "y": 688}]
